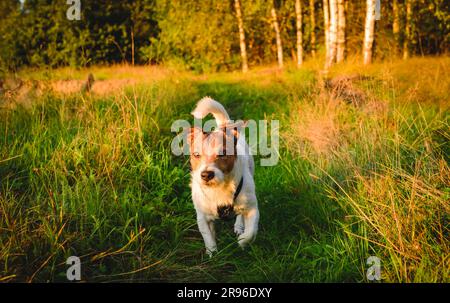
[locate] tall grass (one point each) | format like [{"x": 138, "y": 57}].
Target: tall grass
[{"x": 93, "y": 176}]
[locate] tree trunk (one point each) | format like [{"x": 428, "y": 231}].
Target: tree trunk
[
  {"x": 407, "y": 41},
  {"x": 332, "y": 43},
  {"x": 369, "y": 31},
  {"x": 298, "y": 13},
  {"x": 326, "y": 25},
  {"x": 132, "y": 46},
  {"x": 396, "y": 25},
  {"x": 277, "y": 36},
  {"x": 341, "y": 32},
  {"x": 237, "y": 6},
  {"x": 313, "y": 27}
]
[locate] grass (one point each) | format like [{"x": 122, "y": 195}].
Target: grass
[{"x": 93, "y": 176}]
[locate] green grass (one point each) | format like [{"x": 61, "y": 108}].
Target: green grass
[{"x": 93, "y": 176}]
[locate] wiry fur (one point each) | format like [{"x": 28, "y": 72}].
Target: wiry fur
[{"x": 209, "y": 196}]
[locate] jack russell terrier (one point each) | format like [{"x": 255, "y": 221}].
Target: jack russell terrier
[{"x": 222, "y": 176}]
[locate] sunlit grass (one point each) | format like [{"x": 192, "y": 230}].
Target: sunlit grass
[{"x": 92, "y": 175}]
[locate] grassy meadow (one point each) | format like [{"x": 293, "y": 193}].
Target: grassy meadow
[{"x": 363, "y": 171}]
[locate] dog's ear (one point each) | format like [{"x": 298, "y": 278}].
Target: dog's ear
[
  {"x": 233, "y": 131},
  {"x": 238, "y": 127}
]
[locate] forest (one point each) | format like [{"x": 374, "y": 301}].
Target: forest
[{"x": 217, "y": 35}]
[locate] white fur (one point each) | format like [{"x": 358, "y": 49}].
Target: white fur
[{"x": 207, "y": 198}]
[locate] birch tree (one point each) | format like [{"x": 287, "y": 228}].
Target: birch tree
[
  {"x": 313, "y": 27},
  {"x": 276, "y": 28},
  {"x": 369, "y": 31},
  {"x": 326, "y": 25},
  {"x": 237, "y": 6},
  {"x": 332, "y": 43},
  {"x": 341, "y": 31},
  {"x": 298, "y": 14}
]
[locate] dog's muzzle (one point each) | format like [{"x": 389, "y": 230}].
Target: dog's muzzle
[{"x": 226, "y": 212}]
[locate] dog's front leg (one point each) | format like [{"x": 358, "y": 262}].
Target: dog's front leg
[
  {"x": 206, "y": 228},
  {"x": 212, "y": 229},
  {"x": 251, "y": 219},
  {"x": 239, "y": 225}
]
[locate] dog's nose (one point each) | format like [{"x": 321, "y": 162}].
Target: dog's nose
[{"x": 207, "y": 175}]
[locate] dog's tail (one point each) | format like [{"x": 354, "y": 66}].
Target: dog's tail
[{"x": 208, "y": 105}]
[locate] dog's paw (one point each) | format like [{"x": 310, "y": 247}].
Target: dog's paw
[
  {"x": 238, "y": 229},
  {"x": 244, "y": 240},
  {"x": 211, "y": 251}
]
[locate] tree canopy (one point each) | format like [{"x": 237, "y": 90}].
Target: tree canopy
[{"x": 199, "y": 35}]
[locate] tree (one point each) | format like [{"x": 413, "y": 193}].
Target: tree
[
  {"x": 203, "y": 35},
  {"x": 332, "y": 43},
  {"x": 326, "y": 25},
  {"x": 408, "y": 29},
  {"x": 276, "y": 28},
  {"x": 369, "y": 31},
  {"x": 313, "y": 27},
  {"x": 237, "y": 6},
  {"x": 396, "y": 24},
  {"x": 10, "y": 46},
  {"x": 7, "y": 7},
  {"x": 341, "y": 32},
  {"x": 197, "y": 35},
  {"x": 141, "y": 22},
  {"x": 298, "y": 14}
]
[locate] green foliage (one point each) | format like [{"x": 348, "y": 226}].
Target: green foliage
[
  {"x": 39, "y": 33},
  {"x": 198, "y": 35}
]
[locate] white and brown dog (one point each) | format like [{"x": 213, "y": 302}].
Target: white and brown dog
[{"x": 222, "y": 176}]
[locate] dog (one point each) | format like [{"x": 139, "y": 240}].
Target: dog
[{"x": 222, "y": 171}]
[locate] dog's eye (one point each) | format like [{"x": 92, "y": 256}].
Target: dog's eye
[{"x": 196, "y": 155}]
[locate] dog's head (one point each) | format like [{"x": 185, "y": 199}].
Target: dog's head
[{"x": 212, "y": 154}]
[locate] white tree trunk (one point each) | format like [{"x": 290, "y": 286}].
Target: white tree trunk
[
  {"x": 326, "y": 25},
  {"x": 369, "y": 31},
  {"x": 407, "y": 41},
  {"x": 332, "y": 43},
  {"x": 298, "y": 13},
  {"x": 341, "y": 31},
  {"x": 237, "y": 6},
  {"x": 313, "y": 27},
  {"x": 276, "y": 27}
]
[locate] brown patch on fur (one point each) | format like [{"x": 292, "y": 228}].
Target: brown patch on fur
[
  {"x": 225, "y": 163},
  {"x": 208, "y": 146}
]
